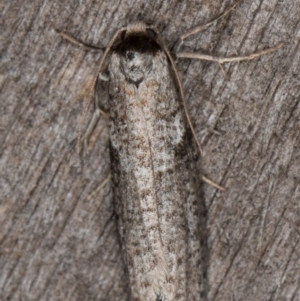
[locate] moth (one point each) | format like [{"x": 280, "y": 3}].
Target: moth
[
  {"x": 155, "y": 166},
  {"x": 155, "y": 171}
]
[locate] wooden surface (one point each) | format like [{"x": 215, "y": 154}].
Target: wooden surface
[{"x": 58, "y": 237}]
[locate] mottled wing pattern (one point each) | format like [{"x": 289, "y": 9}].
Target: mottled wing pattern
[{"x": 156, "y": 180}]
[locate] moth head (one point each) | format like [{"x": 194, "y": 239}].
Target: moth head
[
  {"x": 137, "y": 46},
  {"x": 140, "y": 28}
]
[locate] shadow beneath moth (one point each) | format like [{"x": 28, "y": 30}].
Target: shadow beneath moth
[{"x": 155, "y": 158}]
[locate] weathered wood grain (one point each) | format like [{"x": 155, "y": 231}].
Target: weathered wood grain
[{"x": 58, "y": 239}]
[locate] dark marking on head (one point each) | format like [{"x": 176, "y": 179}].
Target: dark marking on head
[
  {"x": 130, "y": 55},
  {"x": 144, "y": 42},
  {"x": 151, "y": 33},
  {"x": 123, "y": 34}
]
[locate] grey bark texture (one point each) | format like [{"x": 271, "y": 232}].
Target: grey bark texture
[{"x": 58, "y": 234}]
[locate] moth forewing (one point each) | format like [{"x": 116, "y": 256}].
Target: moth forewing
[{"x": 155, "y": 170}]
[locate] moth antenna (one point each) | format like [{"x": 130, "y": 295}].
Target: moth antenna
[
  {"x": 221, "y": 60},
  {"x": 92, "y": 91}
]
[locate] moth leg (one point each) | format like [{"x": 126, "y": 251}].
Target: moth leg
[
  {"x": 200, "y": 28},
  {"x": 93, "y": 122},
  {"x": 96, "y": 115},
  {"x": 79, "y": 43},
  {"x": 101, "y": 185},
  {"x": 212, "y": 183},
  {"x": 221, "y": 60}
]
